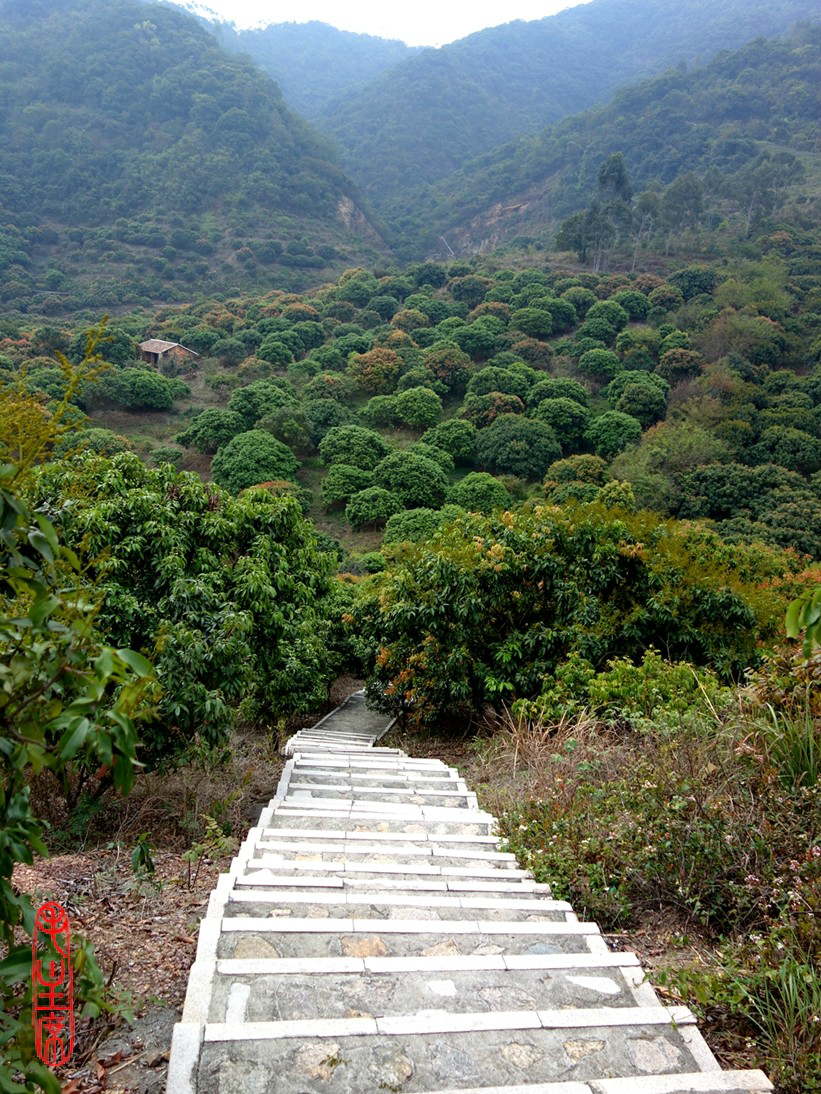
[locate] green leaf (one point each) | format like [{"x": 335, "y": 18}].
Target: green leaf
[
  {"x": 135, "y": 661},
  {"x": 40, "y": 1074},
  {"x": 73, "y": 741},
  {"x": 17, "y": 966},
  {"x": 792, "y": 618},
  {"x": 41, "y": 544}
]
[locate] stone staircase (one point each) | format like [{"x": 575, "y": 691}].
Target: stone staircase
[{"x": 371, "y": 936}]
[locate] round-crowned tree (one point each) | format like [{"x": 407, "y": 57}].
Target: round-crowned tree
[
  {"x": 568, "y": 420},
  {"x": 431, "y": 452},
  {"x": 480, "y": 492},
  {"x": 582, "y": 299},
  {"x": 417, "y": 481},
  {"x": 482, "y": 410},
  {"x": 342, "y": 482},
  {"x": 211, "y": 429},
  {"x": 534, "y": 322},
  {"x": 375, "y": 371},
  {"x": 612, "y": 432},
  {"x": 457, "y": 437},
  {"x": 255, "y": 400},
  {"x": 449, "y": 364},
  {"x": 322, "y": 415},
  {"x": 372, "y": 506},
  {"x": 610, "y": 312},
  {"x": 415, "y": 525},
  {"x": 491, "y": 378},
  {"x": 602, "y": 364},
  {"x": 634, "y": 303},
  {"x": 330, "y": 385},
  {"x": 514, "y": 445},
  {"x": 641, "y": 400},
  {"x": 289, "y": 425},
  {"x": 418, "y": 407},
  {"x": 560, "y": 387},
  {"x": 251, "y": 458},
  {"x": 354, "y": 445}
]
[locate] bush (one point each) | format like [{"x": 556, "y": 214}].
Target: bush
[
  {"x": 380, "y": 410},
  {"x": 602, "y": 364},
  {"x": 139, "y": 389},
  {"x": 482, "y": 410},
  {"x": 418, "y": 407},
  {"x": 583, "y": 580},
  {"x": 611, "y": 312},
  {"x": 418, "y": 482},
  {"x": 449, "y": 364},
  {"x": 289, "y": 425},
  {"x": 211, "y": 429},
  {"x": 558, "y": 388},
  {"x": 566, "y": 418},
  {"x": 330, "y": 385},
  {"x": 534, "y": 322},
  {"x": 228, "y": 595},
  {"x": 612, "y": 432},
  {"x": 587, "y": 469},
  {"x": 514, "y": 445},
  {"x": 323, "y": 415},
  {"x": 375, "y": 371},
  {"x": 431, "y": 452},
  {"x": 634, "y": 303},
  {"x": 251, "y": 458},
  {"x": 491, "y": 379},
  {"x": 255, "y": 400},
  {"x": 479, "y": 492},
  {"x": 457, "y": 437},
  {"x": 415, "y": 525},
  {"x": 372, "y": 506},
  {"x": 354, "y": 445},
  {"x": 342, "y": 482}
]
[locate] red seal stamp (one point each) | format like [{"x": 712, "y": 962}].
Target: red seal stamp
[{"x": 52, "y": 1002}]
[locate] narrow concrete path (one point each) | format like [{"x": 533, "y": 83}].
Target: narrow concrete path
[{"x": 371, "y": 936}]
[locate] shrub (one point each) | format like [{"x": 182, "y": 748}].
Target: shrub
[
  {"x": 418, "y": 407},
  {"x": 380, "y": 410},
  {"x": 415, "y": 525},
  {"x": 534, "y": 322},
  {"x": 289, "y": 425},
  {"x": 449, "y": 364},
  {"x": 255, "y": 400},
  {"x": 211, "y": 429},
  {"x": 323, "y": 415},
  {"x": 479, "y": 492},
  {"x": 491, "y": 379},
  {"x": 139, "y": 389},
  {"x": 566, "y": 418},
  {"x": 431, "y": 452},
  {"x": 558, "y": 388},
  {"x": 514, "y": 445},
  {"x": 612, "y": 432},
  {"x": 342, "y": 482},
  {"x": 251, "y": 458},
  {"x": 418, "y": 482},
  {"x": 587, "y": 469},
  {"x": 375, "y": 371},
  {"x": 611, "y": 312},
  {"x": 330, "y": 385},
  {"x": 634, "y": 303},
  {"x": 600, "y": 363},
  {"x": 482, "y": 410},
  {"x": 372, "y": 506},
  {"x": 582, "y": 299},
  {"x": 457, "y": 437},
  {"x": 354, "y": 445},
  {"x": 582, "y": 579}
]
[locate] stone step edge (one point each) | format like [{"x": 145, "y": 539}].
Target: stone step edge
[
  {"x": 437, "y": 1022},
  {"x": 315, "y": 966},
  {"x": 397, "y": 900},
  {"x": 727, "y": 1082},
  {"x": 430, "y": 851},
  {"x": 333, "y": 925},
  {"x": 411, "y": 887},
  {"x": 386, "y": 837}
]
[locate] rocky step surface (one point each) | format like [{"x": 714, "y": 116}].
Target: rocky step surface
[{"x": 372, "y": 936}]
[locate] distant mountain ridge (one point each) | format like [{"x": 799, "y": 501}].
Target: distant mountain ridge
[
  {"x": 717, "y": 122},
  {"x": 137, "y": 153},
  {"x": 313, "y": 62},
  {"x": 427, "y": 116}
]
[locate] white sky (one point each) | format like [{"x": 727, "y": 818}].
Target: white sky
[{"x": 419, "y": 23}]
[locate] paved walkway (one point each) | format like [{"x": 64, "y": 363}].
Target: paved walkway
[{"x": 371, "y": 936}]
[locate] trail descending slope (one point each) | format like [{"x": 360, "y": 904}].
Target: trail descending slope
[{"x": 371, "y": 936}]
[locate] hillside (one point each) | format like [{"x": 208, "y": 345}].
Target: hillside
[
  {"x": 138, "y": 157},
  {"x": 312, "y": 62},
  {"x": 425, "y": 117},
  {"x": 745, "y": 125}
]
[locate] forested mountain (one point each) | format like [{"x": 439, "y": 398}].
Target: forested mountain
[
  {"x": 312, "y": 62},
  {"x": 424, "y": 118},
  {"x": 730, "y": 142},
  {"x": 137, "y": 153}
]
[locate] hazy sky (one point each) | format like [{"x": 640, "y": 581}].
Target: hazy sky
[{"x": 419, "y": 23}]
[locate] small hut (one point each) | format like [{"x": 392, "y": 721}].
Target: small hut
[{"x": 156, "y": 351}]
